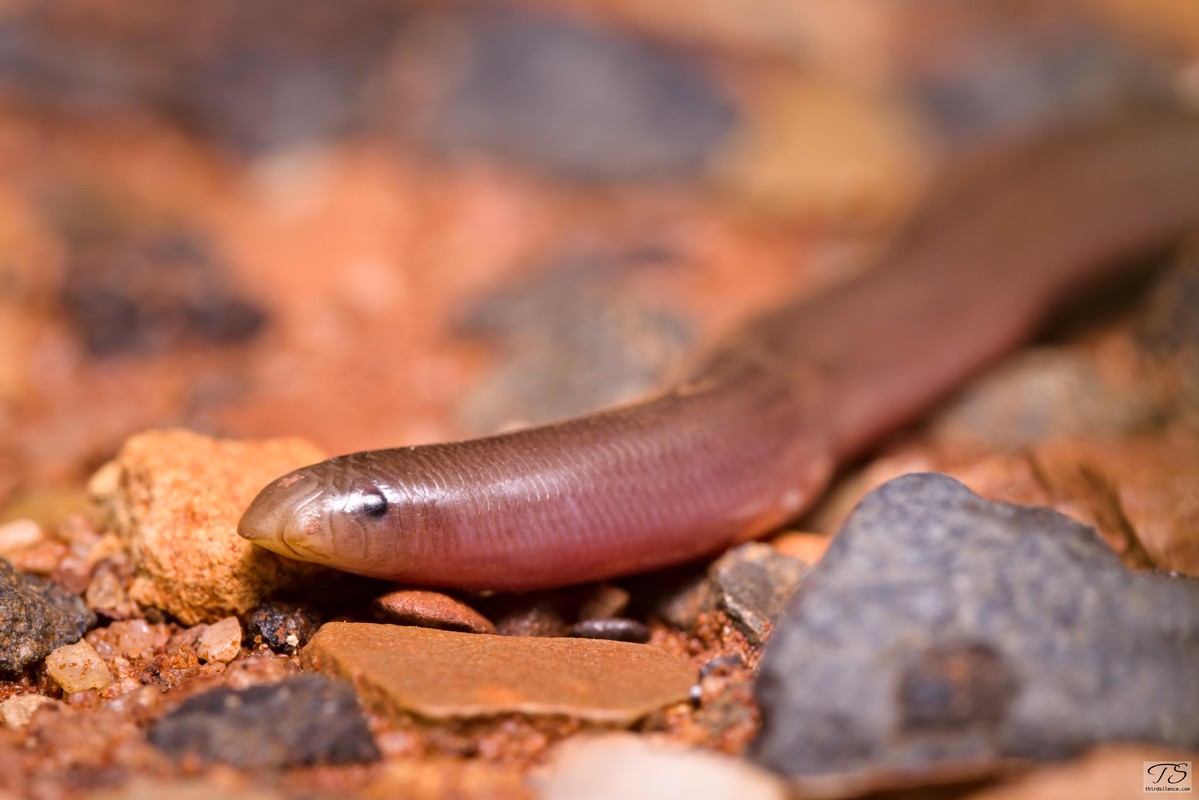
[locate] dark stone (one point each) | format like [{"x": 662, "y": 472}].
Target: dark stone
[
  {"x": 580, "y": 101},
  {"x": 677, "y": 596},
  {"x": 941, "y": 627},
  {"x": 300, "y": 721},
  {"x": 1018, "y": 84},
  {"x": 36, "y": 616},
  {"x": 148, "y": 293},
  {"x": 540, "y": 617},
  {"x": 615, "y": 628},
  {"x": 753, "y": 583},
  {"x": 283, "y": 627},
  {"x": 570, "y": 339}
]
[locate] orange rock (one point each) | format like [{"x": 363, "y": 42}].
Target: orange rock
[
  {"x": 443, "y": 675},
  {"x": 1114, "y": 772},
  {"x": 175, "y": 498},
  {"x": 807, "y": 547}
]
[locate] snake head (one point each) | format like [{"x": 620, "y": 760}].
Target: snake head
[{"x": 320, "y": 513}]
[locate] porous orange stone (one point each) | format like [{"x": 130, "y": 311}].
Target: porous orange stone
[
  {"x": 442, "y": 674},
  {"x": 175, "y": 498}
]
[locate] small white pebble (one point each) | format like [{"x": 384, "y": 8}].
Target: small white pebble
[
  {"x": 221, "y": 641},
  {"x": 15, "y": 712},
  {"x": 133, "y": 637},
  {"x": 19, "y": 534},
  {"x": 78, "y": 667}
]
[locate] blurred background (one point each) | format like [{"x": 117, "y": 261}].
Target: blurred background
[{"x": 374, "y": 222}]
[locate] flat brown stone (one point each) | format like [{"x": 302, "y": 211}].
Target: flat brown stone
[{"x": 442, "y": 675}]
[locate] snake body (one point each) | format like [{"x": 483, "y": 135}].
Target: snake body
[{"x": 751, "y": 436}]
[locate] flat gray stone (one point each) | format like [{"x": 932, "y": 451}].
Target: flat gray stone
[{"x": 941, "y": 627}]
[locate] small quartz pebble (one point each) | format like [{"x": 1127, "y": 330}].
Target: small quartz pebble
[
  {"x": 77, "y": 668},
  {"x": 631, "y": 768},
  {"x": 134, "y": 638},
  {"x": 15, "y": 712},
  {"x": 442, "y": 674},
  {"x": 220, "y": 641},
  {"x": 617, "y": 629},
  {"x": 175, "y": 498},
  {"x": 753, "y": 583},
  {"x": 429, "y": 609},
  {"x": 941, "y": 628},
  {"x": 36, "y": 616},
  {"x": 283, "y": 627},
  {"x": 302, "y": 720}
]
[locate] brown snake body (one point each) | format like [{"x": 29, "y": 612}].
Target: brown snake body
[{"x": 750, "y": 438}]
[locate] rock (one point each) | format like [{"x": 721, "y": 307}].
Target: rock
[
  {"x": 942, "y": 628},
  {"x": 632, "y": 768},
  {"x": 529, "y": 615},
  {"x": 283, "y": 627},
  {"x": 296, "y": 81},
  {"x": 580, "y": 101},
  {"x": 678, "y": 597},
  {"x": 300, "y": 721},
  {"x": 220, "y": 641},
  {"x": 77, "y": 668},
  {"x": 15, "y": 712},
  {"x": 807, "y": 547},
  {"x": 753, "y": 583},
  {"x": 604, "y": 602},
  {"x": 578, "y": 307},
  {"x": 1050, "y": 392},
  {"x": 1140, "y": 493},
  {"x": 175, "y": 498},
  {"x": 19, "y": 534},
  {"x": 106, "y": 593},
  {"x": 819, "y": 149},
  {"x": 615, "y": 628},
  {"x": 135, "y": 638},
  {"x": 442, "y": 675},
  {"x": 35, "y": 617},
  {"x": 137, "y": 294},
  {"x": 1113, "y": 772},
  {"x": 429, "y": 609}
]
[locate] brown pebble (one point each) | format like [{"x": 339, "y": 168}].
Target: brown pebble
[
  {"x": 442, "y": 675},
  {"x": 429, "y": 609},
  {"x": 604, "y": 602},
  {"x": 533, "y": 618}
]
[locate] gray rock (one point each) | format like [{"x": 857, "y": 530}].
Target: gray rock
[
  {"x": 942, "y": 627},
  {"x": 753, "y": 583},
  {"x": 303, "y": 720},
  {"x": 579, "y": 101},
  {"x": 36, "y": 617}
]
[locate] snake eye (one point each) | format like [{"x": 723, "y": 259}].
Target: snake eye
[{"x": 374, "y": 504}]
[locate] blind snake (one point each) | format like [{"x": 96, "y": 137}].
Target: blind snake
[{"x": 749, "y": 439}]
